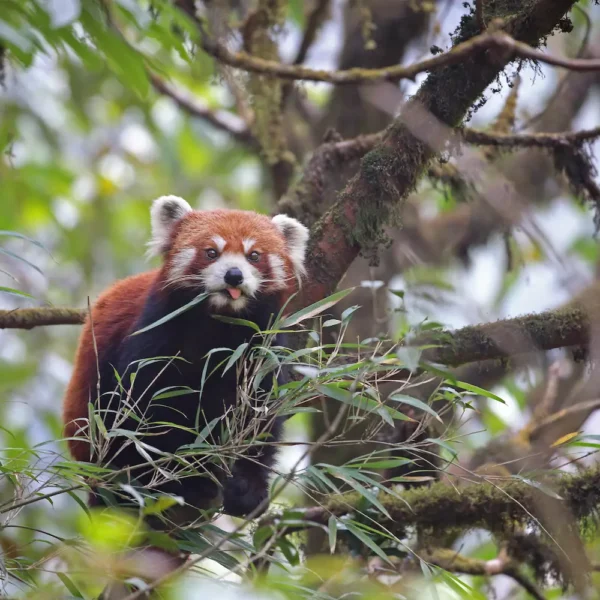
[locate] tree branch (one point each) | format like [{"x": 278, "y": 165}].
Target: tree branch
[
  {"x": 506, "y": 47},
  {"x": 497, "y": 505},
  {"x": 373, "y": 199},
  {"x": 450, "y": 560},
  {"x": 564, "y": 327},
  {"x": 315, "y": 19},
  {"x": 225, "y": 121},
  {"x": 28, "y": 318},
  {"x": 569, "y": 326},
  {"x": 528, "y": 140}
]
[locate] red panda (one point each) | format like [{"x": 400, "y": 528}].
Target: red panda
[{"x": 248, "y": 265}]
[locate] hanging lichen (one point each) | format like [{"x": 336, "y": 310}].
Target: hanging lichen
[{"x": 259, "y": 33}]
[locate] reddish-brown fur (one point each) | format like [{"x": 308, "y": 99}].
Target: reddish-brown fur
[
  {"x": 117, "y": 309},
  {"x": 112, "y": 316}
]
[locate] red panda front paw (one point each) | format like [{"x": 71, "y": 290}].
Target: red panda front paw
[{"x": 242, "y": 495}]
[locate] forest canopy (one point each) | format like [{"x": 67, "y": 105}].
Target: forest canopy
[{"x": 441, "y": 422}]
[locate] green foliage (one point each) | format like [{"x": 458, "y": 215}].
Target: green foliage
[{"x": 87, "y": 143}]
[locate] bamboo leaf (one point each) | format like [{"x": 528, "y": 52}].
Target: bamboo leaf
[
  {"x": 197, "y": 300},
  {"x": 315, "y": 309}
]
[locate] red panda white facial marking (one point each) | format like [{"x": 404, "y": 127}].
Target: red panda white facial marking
[
  {"x": 180, "y": 263},
  {"x": 234, "y": 255}
]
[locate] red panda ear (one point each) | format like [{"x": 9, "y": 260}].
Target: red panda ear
[
  {"x": 165, "y": 212},
  {"x": 296, "y": 239}
]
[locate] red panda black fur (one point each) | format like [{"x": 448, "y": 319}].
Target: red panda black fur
[{"x": 249, "y": 265}]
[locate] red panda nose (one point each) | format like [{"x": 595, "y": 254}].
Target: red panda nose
[{"x": 234, "y": 277}]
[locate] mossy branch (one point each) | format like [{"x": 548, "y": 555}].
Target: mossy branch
[
  {"x": 373, "y": 198},
  {"x": 307, "y": 200},
  {"x": 28, "y": 318},
  {"x": 497, "y": 505},
  {"x": 569, "y": 326},
  {"x": 564, "y": 327},
  {"x": 450, "y": 560}
]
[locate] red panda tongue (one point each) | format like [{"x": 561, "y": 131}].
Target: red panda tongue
[{"x": 234, "y": 293}]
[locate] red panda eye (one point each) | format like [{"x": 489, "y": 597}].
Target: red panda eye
[
  {"x": 254, "y": 256},
  {"x": 212, "y": 253}
]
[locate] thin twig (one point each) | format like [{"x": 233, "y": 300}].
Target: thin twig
[
  {"x": 529, "y": 140},
  {"x": 225, "y": 121},
  {"x": 313, "y": 22}
]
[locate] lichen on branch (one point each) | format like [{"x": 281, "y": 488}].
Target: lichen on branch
[
  {"x": 498, "y": 505},
  {"x": 373, "y": 198}
]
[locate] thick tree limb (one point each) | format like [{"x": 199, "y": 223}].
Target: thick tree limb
[
  {"x": 497, "y": 505},
  {"x": 568, "y": 326},
  {"x": 564, "y": 327},
  {"x": 372, "y": 199}
]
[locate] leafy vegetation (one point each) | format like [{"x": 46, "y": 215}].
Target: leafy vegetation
[{"x": 399, "y": 477}]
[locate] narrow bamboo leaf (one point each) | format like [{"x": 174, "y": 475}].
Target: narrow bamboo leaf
[
  {"x": 416, "y": 404},
  {"x": 23, "y": 260},
  {"x": 390, "y": 463},
  {"x": 234, "y": 321},
  {"x": 318, "y": 475},
  {"x": 175, "y": 391},
  {"x": 565, "y": 439},
  {"x": 315, "y": 309},
  {"x": 23, "y": 237},
  {"x": 234, "y": 357},
  {"x": 367, "y": 541},
  {"x": 351, "y": 479},
  {"x": 538, "y": 485},
  {"x": 14, "y": 292},
  {"x": 162, "y": 503},
  {"x": 173, "y": 314},
  {"x": 477, "y": 390},
  {"x": 79, "y": 501},
  {"x": 332, "y": 528},
  {"x": 68, "y": 583},
  {"x": 444, "y": 445}
]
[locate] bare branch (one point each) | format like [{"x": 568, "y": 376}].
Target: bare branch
[
  {"x": 225, "y": 121},
  {"x": 506, "y": 48},
  {"x": 314, "y": 21},
  {"x": 528, "y": 140}
]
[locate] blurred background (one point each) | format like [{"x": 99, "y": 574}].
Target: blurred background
[{"x": 88, "y": 142}]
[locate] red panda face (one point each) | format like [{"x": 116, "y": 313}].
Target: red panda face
[{"x": 231, "y": 254}]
